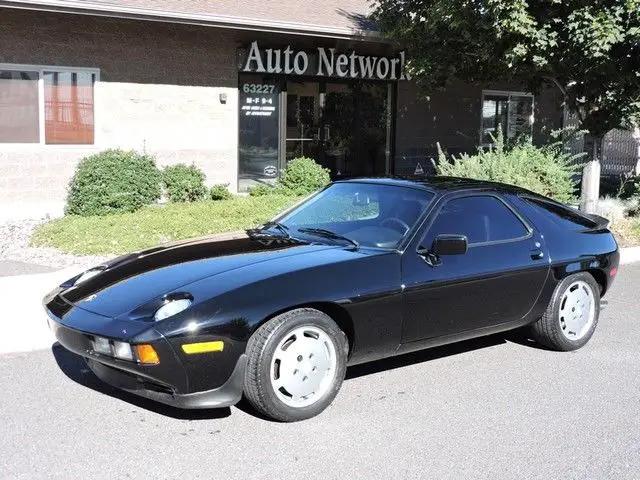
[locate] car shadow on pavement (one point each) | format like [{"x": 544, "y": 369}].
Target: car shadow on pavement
[
  {"x": 421, "y": 356},
  {"x": 520, "y": 336},
  {"x": 74, "y": 367}
]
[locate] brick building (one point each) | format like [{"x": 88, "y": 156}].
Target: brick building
[{"x": 236, "y": 87}]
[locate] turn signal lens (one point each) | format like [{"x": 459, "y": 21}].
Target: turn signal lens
[
  {"x": 613, "y": 272},
  {"x": 147, "y": 354},
  {"x": 203, "y": 347}
]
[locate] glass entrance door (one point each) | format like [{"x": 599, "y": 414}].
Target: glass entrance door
[
  {"x": 303, "y": 120},
  {"x": 342, "y": 126},
  {"x": 259, "y": 122}
]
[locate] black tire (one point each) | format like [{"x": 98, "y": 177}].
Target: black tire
[
  {"x": 260, "y": 350},
  {"x": 548, "y": 330}
]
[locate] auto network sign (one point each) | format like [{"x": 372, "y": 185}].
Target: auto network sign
[{"x": 325, "y": 62}]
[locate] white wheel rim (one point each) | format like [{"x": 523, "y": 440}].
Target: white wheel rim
[
  {"x": 303, "y": 366},
  {"x": 577, "y": 310}
]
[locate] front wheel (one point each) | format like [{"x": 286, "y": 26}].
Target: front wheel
[
  {"x": 572, "y": 314},
  {"x": 296, "y": 363}
]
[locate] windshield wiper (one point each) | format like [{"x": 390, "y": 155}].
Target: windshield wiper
[
  {"x": 322, "y": 232},
  {"x": 280, "y": 226}
]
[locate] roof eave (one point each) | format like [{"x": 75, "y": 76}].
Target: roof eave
[{"x": 207, "y": 20}]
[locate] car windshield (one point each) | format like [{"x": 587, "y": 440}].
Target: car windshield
[{"x": 367, "y": 214}]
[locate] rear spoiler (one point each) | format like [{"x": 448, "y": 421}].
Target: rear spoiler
[{"x": 600, "y": 222}]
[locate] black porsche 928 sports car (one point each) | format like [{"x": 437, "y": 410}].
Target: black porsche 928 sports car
[{"x": 362, "y": 270}]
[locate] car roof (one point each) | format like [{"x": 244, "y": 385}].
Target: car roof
[{"x": 437, "y": 184}]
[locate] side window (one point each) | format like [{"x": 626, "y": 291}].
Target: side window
[{"x": 481, "y": 218}]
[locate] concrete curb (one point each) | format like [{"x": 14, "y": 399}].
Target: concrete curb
[{"x": 24, "y": 325}]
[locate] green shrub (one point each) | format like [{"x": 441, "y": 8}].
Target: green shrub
[
  {"x": 220, "y": 192},
  {"x": 263, "y": 189},
  {"x": 545, "y": 170},
  {"x": 113, "y": 181},
  {"x": 633, "y": 183},
  {"x": 629, "y": 187},
  {"x": 303, "y": 176},
  {"x": 184, "y": 183}
]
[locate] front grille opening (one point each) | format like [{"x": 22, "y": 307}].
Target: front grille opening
[{"x": 155, "y": 387}]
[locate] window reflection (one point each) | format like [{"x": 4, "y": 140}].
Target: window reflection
[
  {"x": 259, "y": 134},
  {"x": 68, "y": 107},
  {"x": 511, "y": 114}
]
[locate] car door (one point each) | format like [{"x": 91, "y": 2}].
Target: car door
[{"x": 497, "y": 280}]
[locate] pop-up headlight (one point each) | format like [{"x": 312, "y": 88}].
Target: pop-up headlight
[
  {"x": 173, "y": 307},
  {"x": 92, "y": 272}
]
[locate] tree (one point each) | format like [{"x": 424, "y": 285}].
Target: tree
[{"x": 588, "y": 49}]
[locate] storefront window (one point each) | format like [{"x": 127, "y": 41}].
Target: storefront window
[
  {"x": 510, "y": 112},
  {"x": 259, "y": 132},
  {"x": 19, "y": 111},
  {"x": 62, "y": 100},
  {"x": 341, "y": 125},
  {"x": 303, "y": 119},
  {"x": 355, "y": 128}
]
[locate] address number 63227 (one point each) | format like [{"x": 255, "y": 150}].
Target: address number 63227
[{"x": 258, "y": 88}]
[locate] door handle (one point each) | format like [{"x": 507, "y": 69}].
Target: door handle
[{"x": 537, "y": 254}]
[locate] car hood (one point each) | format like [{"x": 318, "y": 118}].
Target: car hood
[{"x": 132, "y": 280}]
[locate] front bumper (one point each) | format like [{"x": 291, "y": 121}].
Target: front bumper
[
  {"x": 167, "y": 382},
  {"x": 226, "y": 395}
]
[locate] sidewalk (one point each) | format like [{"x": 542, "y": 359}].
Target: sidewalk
[
  {"x": 24, "y": 325},
  {"x": 24, "y": 322}
]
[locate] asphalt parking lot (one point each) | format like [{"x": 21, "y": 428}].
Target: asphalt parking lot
[
  {"x": 490, "y": 408},
  {"x": 10, "y": 268}
]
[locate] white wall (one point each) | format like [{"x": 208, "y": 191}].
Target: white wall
[{"x": 176, "y": 124}]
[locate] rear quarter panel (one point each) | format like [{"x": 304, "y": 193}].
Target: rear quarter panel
[{"x": 572, "y": 250}]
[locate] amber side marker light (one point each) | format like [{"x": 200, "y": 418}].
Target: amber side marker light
[
  {"x": 203, "y": 347},
  {"x": 147, "y": 354}
]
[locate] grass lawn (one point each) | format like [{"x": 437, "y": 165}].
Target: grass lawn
[
  {"x": 122, "y": 233},
  {"x": 150, "y": 226}
]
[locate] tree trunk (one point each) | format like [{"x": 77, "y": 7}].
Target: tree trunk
[{"x": 591, "y": 175}]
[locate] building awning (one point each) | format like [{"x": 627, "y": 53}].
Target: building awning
[{"x": 347, "y": 19}]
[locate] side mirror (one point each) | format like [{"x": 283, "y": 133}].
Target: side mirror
[{"x": 449, "y": 245}]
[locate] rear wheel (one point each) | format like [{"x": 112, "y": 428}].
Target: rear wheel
[
  {"x": 572, "y": 314},
  {"x": 296, "y": 363}
]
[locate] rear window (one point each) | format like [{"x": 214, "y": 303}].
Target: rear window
[{"x": 563, "y": 216}]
